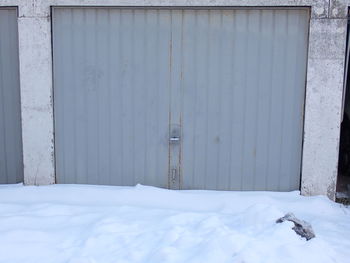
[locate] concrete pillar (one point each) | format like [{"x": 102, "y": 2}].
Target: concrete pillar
[
  {"x": 324, "y": 91},
  {"x": 34, "y": 31}
]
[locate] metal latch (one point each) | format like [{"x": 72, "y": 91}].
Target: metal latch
[
  {"x": 175, "y": 133},
  {"x": 173, "y": 175}
]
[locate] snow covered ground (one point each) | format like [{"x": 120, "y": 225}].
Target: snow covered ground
[{"x": 100, "y": 224}]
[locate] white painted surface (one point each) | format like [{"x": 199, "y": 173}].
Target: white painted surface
[{"x": 323, "y": 99}]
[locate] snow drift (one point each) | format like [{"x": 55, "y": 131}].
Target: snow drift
[{"x": 102, "y": 224}]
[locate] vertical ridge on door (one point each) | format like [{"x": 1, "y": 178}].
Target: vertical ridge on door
[
  {"x": 176, "y": 72},
  {"x": 251, "y": 99},
  {"x": 226, "y": 76},
  {"x": 264, "y": 100}
]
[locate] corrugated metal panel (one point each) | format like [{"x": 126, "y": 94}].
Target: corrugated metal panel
[
  {"x": 243, "y": 83},
  {"x": 232, "y": 80},
  {"x": 11, "y": 164},
  {"x": 111, "y": 88}
]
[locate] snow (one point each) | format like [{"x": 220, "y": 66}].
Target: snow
[{"x": 90, "y": 224}]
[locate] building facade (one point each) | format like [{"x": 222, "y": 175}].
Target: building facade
[{"x": 42, "y": 29}]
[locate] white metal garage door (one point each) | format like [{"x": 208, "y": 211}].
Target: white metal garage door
[
  {"x": 180, "y": 98},
  {"x": 11, "y": 164}
]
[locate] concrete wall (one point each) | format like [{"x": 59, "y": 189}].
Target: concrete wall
[{"x": 323, "y": 92}]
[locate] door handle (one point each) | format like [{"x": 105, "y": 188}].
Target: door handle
[{"x": 174, "y": 139}]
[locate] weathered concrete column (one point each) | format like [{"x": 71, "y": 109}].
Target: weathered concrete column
[
  {"x": 323, "y": 104},
  {"x": 34, "y": 31}
]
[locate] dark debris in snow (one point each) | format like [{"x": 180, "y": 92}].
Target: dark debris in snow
[{"x": 301, "y": 227}]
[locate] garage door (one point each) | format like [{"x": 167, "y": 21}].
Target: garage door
[
  {"x": 11, "y": 165},
  {"x": 180, "y": 98}
]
